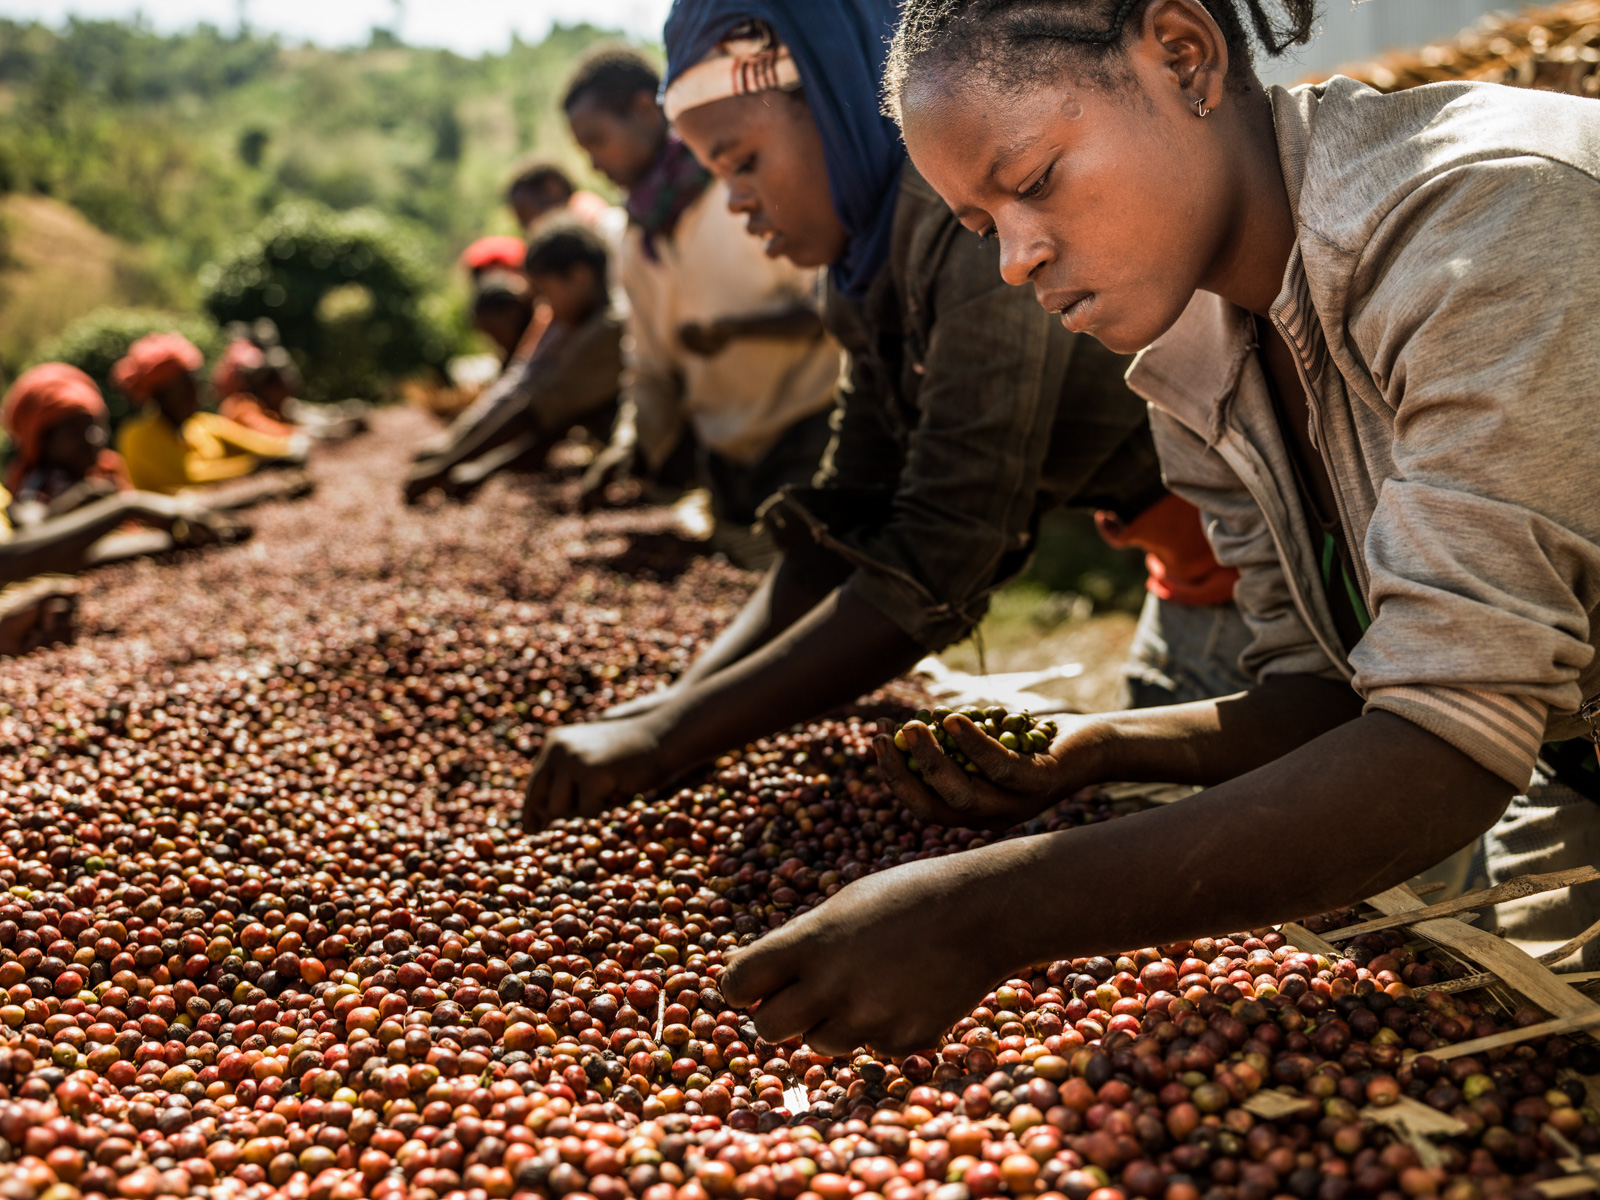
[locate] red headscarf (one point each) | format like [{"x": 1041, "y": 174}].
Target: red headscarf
[
  {"x": 241, "y": 357},
  {"x": 505, "y": 253},
  {"x": 154, "y": 361},
  {"x": 38, "y": 401}
]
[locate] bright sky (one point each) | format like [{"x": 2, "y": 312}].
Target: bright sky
[{"x": 467, "y": 26}]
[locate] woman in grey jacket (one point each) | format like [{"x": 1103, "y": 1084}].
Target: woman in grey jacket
[{"x": 1368, "y": 349}]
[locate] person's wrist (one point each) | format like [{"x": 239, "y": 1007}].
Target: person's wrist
[
  {"x": 1087, "y": 752},
  {"x": 672, "y": 751},
  {"x": 153, "y": 510},
  {"x": 1011, "y": 940}
]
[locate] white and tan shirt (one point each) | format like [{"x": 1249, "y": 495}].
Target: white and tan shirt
[{"x": 737, "y": 401}]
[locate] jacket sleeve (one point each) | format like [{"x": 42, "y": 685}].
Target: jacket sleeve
[
  {"x": 579, "y": 376},
  {"x": 1475, "y": 314},
  {"x": 1281, "y": 641},
  {"x": 865, "y": 451},
  {"x": 244, "y": 440},
  {"x": 992, "y": 373}
]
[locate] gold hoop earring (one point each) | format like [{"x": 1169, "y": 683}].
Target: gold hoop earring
[{"x": 1200, "y": 109}]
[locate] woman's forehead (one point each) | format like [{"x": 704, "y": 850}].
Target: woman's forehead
[{"x": 717, "y": 126}]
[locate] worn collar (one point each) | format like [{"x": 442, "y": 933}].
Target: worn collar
[{"x": 1191, "y": 371}]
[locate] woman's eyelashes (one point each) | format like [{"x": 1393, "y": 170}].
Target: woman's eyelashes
[
  {"x": 1033, "y": 190},
  {"x": 1028, "y": 191}
]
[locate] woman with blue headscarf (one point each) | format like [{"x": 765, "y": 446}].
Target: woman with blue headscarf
[{"x": 966, "y": 410}]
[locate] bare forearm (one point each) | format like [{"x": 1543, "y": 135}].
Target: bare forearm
[
  {"x": 507, "y": 419},
  {"x": 1358, "y": 810},
  {"x": 786, "y": 594},
  {"x": 797, "y": 324},
  {"x": 1210, "y": 741},
  {"x": 840, "y": 649},
  {"x": 62, "y": 543}
]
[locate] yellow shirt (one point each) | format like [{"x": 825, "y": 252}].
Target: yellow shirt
[
  {"x": 209, "y": 449},
  {"x": 5, "y": 516}
]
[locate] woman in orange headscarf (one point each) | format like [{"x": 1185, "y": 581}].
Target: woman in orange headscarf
[
  {"x": 250, "y": 391},
  {"x": 173, "y": 445},
  {"x": 57, "y": 421}
]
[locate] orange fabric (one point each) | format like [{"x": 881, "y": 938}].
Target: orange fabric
[
  {"x": 241, "y": 356},
  {"x": 154, "y": 361},
  {"x": 40, "y": 399},
  {"x": 111, "y": 466},
  {"x": 1182, "y": 567},
  {"x": 245, "y": 409},
  {"x": 505, "y": 253}
]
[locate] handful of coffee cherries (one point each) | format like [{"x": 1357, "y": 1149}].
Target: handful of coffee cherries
[{"x": 1015, "y": 731}]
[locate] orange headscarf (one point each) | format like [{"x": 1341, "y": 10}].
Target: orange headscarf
[
  {"x": 154, "y": 361},
  {"x": 505, "y": 253},
  {"x": 38, "y": 401},
  {"x": 241, "y": 357}
]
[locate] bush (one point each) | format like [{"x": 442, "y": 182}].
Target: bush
[
  {"x": 95, "y": 343},
  {"x": 346, "y": 291}
]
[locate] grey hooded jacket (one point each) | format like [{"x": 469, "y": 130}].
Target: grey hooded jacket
[{"x": 1443, "y": 299}]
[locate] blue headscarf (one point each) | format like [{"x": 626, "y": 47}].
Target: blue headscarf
[{"x": 839, "y": 47}]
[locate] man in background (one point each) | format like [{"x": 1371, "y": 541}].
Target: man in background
[{"x": 725, "y": 345}]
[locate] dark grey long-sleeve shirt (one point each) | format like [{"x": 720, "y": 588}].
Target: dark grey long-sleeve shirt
[{"x": 965, "y": 410}]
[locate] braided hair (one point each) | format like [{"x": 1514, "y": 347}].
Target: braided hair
[{"x": 1019, "y": 41}]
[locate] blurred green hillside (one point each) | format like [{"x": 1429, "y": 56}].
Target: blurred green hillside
[{"x": 130, "y": 159}]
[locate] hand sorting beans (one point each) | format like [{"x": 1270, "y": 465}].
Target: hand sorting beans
[
  {"x": 1018, "y": 732},
  {"x": 270, "y": 928}
]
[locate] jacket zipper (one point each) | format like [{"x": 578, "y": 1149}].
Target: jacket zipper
[
  {"x": 1280, "y": 526},
  {"x": 1317, "y": 442}
]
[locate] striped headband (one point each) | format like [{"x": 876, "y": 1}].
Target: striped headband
[{"x": 750, "y": 59}]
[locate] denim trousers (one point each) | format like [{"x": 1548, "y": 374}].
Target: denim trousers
[{"x": 1185, "y": 652}]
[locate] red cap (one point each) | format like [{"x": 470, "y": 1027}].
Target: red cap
[{"x": 505, "y": 253}]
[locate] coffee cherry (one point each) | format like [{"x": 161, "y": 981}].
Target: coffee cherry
[{"x": 269, "y": 923}]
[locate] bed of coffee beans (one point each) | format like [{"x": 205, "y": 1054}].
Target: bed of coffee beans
[
  {"x": 1018, "y": 732},
  {"x": 268, "y": 925}
]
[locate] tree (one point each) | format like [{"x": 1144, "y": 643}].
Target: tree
[{"x": 346, "y": 291}]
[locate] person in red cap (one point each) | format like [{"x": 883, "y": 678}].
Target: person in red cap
[
  {"x": 505, "y": 310},
  {"x": 498, "y": 253},
  {"x": 173, "y": 445},
  {"x": 235, "y": 381},
  {"x": 256, "y": 383}
]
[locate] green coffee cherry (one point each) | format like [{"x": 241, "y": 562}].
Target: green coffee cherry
[{"x": 1017, "y": 732}]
